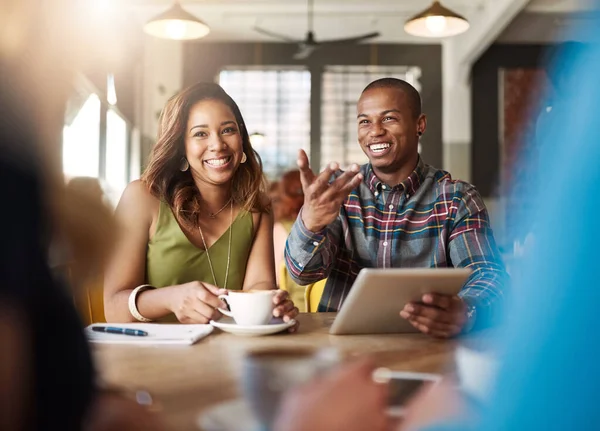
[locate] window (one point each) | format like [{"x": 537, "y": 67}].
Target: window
[
  {"x": 275, "y": 102},
  {"x": 342, "y": 86},
  {"x": 96, "y": 140},
  {"x": 81, "y": 140},
  {"x": 116, "y": 155}
]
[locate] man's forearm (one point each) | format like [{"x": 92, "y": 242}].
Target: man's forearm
[
  {"x": 485, "y": 292},
  {"x": 308, "y": 255}
]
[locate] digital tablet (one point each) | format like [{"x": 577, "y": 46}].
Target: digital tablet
[{"x": 378, "y": 295}]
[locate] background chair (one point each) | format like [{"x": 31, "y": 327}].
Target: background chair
[
  {"x": 88, "y": 299},
  {"x": 306, "y": 298},
  {"x": 313, "y": 294}
]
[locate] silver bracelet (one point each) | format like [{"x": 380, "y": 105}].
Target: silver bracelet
[{"x": 132, "y": 302}]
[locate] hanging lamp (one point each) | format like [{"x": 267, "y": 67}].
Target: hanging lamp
[
  {"x": 436, "y": 21},
  {"x": 176, "y": 24}
]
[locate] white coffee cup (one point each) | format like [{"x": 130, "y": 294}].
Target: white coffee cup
[
  {"x": 269, "y": 372},
  {"x": 249, "y": 307}
]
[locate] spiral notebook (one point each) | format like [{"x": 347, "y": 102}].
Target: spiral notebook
[{"x": 158, "y": 334}]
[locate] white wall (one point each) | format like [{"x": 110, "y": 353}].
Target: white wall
[{"x": 162, "y": 77}]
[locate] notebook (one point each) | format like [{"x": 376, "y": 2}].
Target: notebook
[{"x": 169, "y": 334}]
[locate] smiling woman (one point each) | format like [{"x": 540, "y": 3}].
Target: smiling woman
[
  {"x": 198, "y": 222},
  {"x": 200, "y": 129}
]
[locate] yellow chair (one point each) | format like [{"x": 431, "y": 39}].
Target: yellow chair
[
  {"x": 311, "y": 293},
  {"x": 89, "y": 300}
]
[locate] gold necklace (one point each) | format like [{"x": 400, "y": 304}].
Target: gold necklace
[
  {"x": 228, "y": 250},
  {"x": 213, "y": 215}
]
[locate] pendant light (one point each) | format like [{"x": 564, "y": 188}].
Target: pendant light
[
  {"x": 436, "y": 21},
  {"x": 257, "y": 140},
  {"x": 176, "y": 24}
]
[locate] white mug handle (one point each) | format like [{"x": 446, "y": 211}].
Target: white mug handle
[{"x": 222, "y": 311}]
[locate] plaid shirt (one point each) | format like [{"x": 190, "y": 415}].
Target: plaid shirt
[{"x": 428, "y": 221}]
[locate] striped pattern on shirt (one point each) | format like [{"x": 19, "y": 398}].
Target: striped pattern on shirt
[{"x": 427, "y": 221}]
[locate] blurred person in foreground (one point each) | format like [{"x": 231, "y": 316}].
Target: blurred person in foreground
[
  {"x": 87, "y": 186},
  {"x": 47, "y": 379},
  {"x": 397, "y": 212},
  {"x": 549, "y": 375},
  {"x": 290, "y": 201},
  {"x": 550, "y": 117}
]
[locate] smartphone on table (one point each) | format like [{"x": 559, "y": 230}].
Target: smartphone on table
[{"x": 403, "y": 386}]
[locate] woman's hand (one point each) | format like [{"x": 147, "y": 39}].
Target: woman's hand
[
  {"x": 285, "y": 308},
  {"x": 196, "y": 302}
]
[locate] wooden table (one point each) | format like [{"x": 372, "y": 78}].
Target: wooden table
[{"x": 186, "y": 380}]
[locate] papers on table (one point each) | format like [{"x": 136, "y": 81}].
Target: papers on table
[{"x": 169, "y": 334}]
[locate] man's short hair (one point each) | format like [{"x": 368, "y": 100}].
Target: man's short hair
[{"x": 412, "y": 95}]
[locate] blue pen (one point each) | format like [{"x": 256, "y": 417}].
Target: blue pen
[{"x": 124, "y": 331}]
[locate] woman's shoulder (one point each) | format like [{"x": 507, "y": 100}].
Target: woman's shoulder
[
  {"x": 137, "y": 191},
  {"x": 138, "y": 199}
]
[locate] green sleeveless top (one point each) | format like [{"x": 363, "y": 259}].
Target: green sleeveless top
[{"x": 172, "y": 259}]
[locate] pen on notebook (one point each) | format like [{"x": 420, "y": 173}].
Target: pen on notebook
[{"x": 124, "y": 331}]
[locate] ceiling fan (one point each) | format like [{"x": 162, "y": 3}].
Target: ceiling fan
[{"x": 307, "y": 46}]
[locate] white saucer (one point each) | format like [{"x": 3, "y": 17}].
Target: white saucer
[
  {"x": 233, "y": 415},
  {"x": 275, "y": 326}
]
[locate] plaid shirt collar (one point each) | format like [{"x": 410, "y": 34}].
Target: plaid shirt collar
[{"x": 410, "y": 185}]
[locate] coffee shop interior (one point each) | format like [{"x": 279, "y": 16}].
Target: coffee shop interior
[{"x": 298, "y": 214}]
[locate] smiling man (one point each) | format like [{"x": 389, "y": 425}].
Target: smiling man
[{"x": 396, "y": 212}]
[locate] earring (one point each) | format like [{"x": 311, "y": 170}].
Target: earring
[
  {"x": 244, "y": 158},
  {"x": 185, "y": 165},
  {"x": 420, "y": 133}
]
